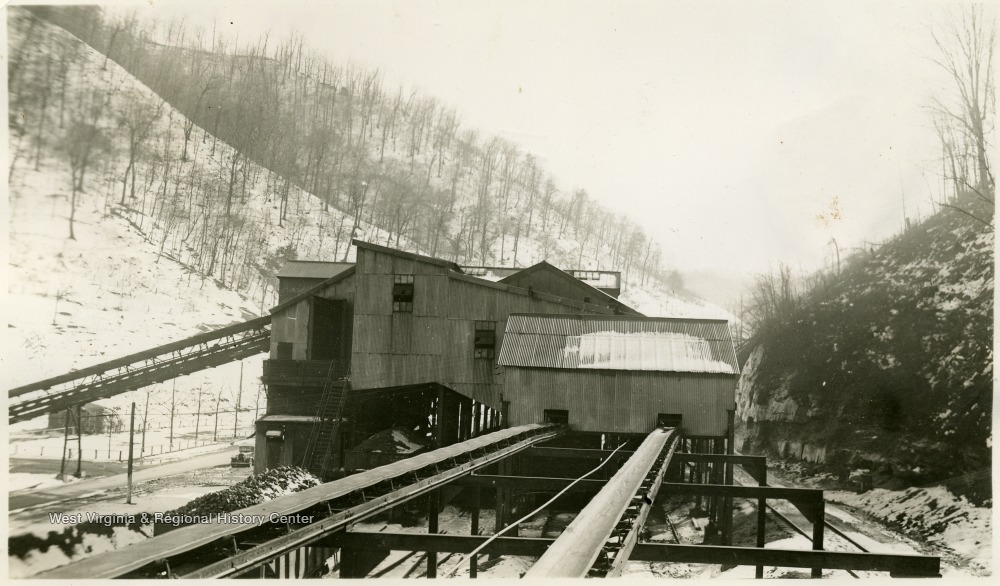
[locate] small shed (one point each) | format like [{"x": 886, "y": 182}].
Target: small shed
[
  {"x": 95, "y": 418},
  {"x": 625, "y": 374}
]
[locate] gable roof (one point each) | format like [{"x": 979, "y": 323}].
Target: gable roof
[
  {"x": 619, "y": 343},
  {"x": 547, "y": 267},
  {"x": 410, "y": 255},
  {"x": 312, "y": 269}
]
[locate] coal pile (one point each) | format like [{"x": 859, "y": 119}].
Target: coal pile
[{"x": 252, "y": 491}]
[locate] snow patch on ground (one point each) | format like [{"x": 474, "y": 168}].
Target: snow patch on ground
[{"x": 949, "y": 523}]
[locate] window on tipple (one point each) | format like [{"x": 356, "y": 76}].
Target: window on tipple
[
  {"x": 402, "y": 293},
  {"x": 485, "y": 339}
]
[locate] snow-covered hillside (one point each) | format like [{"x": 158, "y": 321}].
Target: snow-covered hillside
[
  {"x": 179, "y": 257},
  {"x": 888, "y": 367}
]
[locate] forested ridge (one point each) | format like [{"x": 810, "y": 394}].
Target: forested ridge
[{"x": 320, "y": 153}]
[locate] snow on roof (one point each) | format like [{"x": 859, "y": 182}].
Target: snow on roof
[
  {"x": 619, "y": 343},
  {"x": 312, "y": 269}
]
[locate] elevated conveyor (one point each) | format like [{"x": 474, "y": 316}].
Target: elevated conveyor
[
  {"x": 601, "y": 538},
  {"x": 229, "y": 548},
  {"x": 199, "y": 352}
]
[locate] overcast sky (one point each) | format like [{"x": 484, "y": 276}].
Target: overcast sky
[{"x": 727, "y": 129}]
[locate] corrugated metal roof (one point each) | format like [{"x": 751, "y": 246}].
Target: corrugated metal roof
[
  {"x": 618, "y": 343},
  {"x": 312, "y": 269}
]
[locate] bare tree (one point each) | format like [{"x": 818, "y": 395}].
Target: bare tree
[
  {"x": 137, "y": 118},
  {"x": 964, "y": 120}
]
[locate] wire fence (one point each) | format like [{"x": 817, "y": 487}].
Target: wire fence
[{"x": 116, "y": 453}]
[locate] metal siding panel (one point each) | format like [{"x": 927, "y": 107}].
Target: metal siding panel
[
  {"x": 403, "y": 266},
  {"x": 428, "y": 335},
  {"x": 430, "y": 295},
  {"x": 383, "y": 263},
  {"x": 401, "y": 337}
]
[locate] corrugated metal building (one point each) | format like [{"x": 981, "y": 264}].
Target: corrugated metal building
[
  {"x": 546, "y": 277},
  {"x": 619, "y": 373},
  {"x": 393, "y": 319}
]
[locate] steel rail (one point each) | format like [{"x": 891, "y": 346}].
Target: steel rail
[
  {"x": 185, "y": 540},
  {"x": 573, "y": 554}
]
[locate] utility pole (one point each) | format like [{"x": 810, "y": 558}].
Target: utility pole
[
  {"x": 256, "y": 405},
  {"x": 239, "y": 394},
  {"x": 131, "y": 443},
  {"x": 145, "y": 415},
  {"x": 173, "y": 394},
  {"x": 79, "y": 441},
  {"x": 215, "y": 432},
  {"x": 197, "y": 421},
  {"x": 62, "y": 467}
]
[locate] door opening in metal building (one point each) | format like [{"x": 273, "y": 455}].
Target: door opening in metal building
[
  {"x": 668, "y": 420},
  {"x": 557, "y": 416},
  {"x": 331, "y": 338}
]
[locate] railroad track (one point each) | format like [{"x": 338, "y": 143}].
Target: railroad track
[{"x": 841, "y": 542}]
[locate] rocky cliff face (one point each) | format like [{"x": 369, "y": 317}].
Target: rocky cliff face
[{"x": 889, "y": 366}]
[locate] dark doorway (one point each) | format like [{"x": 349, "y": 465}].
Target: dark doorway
[
  {"x": 331, "y": 332},
  {"x": 668, "y": 420},
  {"x": 275, "y": 446},
  {"x": 557, "y": 416}
]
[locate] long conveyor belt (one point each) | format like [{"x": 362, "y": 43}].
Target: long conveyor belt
[
  {"x": 601, "y": 537},
  {"x": 198, "y": 352},
  {"x": 188, "y": 551}
]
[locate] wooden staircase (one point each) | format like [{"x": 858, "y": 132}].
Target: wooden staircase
[{"x": 318, "y": 457}]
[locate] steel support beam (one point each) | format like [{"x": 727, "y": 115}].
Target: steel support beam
[
  {"x": 901, "y": 565},
  {"x": 535, "y": 483},
  {"x": 438, "y": 543},
  {"x": 581, "y": 453},
  {"x": 573, "y": 554}
]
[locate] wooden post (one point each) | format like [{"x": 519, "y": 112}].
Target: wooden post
[
  {"x": 79, "y": 441},
  {"x": 239, "y": 395},
  {"x": 476, "y": 500},
  {"x": 131, "y": 443},
  {"x": 727, "y": 502},
  {"x": 439, "y": 420},
  {"x": 761, "y": 518},
  {"x": 197, "y": 419},
  {"x": 62, "y": 467},
  {"x": 173, "y": 409},
  {"x": 434, "y": 504}
]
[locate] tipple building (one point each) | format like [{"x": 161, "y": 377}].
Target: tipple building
[{"x": 400, "y": 340}]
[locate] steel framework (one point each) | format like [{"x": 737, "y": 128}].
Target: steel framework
[
  {"x": 134, "y": 371},
  {"x": 219, "y": 550}
]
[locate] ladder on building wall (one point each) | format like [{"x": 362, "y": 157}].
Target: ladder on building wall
[{"x": 323, "y": 436}]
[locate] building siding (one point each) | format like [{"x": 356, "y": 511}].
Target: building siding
[
  {"x": 292, "y": 323},
  {"x": 434, "y": 343},
  {"x": 620, "y": 401}
]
